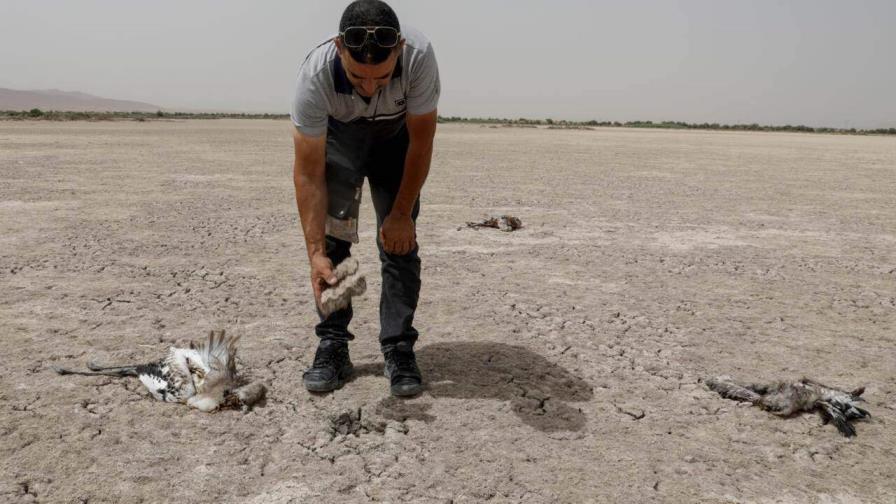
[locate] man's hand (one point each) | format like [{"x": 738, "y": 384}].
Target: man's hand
[
  {"x": 398, "y": 234},
  {"x": 322, "y": 275}
]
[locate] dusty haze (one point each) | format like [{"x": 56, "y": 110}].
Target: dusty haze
[
  {"x": 55, "y": 99},
  {"x": 819, "y": 63}
]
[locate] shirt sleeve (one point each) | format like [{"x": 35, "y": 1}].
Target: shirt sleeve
[
  {"x": 423, "y": 94},
  {"x": 309, "y": 111}
]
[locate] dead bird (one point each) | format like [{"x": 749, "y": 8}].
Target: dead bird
[
  {"x": 202, "y": 376},
  {"x": 504, "y": 223},
  {"x": 350, "y": 283},
  {"x": 787, "y": 398}
]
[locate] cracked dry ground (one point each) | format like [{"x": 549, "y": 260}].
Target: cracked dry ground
[{"x": 564, "y": 359}]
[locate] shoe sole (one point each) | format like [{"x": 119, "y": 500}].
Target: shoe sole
[
  {"x": 401, "y": 391},
  {"x": 408, "y": 392},
  {"x": 330, "y": 385}
]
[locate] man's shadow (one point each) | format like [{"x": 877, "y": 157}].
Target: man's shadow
[{"x": 538, "y": 390}]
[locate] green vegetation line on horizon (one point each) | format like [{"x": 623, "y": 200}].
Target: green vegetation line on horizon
[
  {"x": 563, "y": 124},
  {"x": 38, "y": 114}
]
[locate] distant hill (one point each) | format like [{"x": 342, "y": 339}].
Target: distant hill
[{"x": 54, "y": 99}]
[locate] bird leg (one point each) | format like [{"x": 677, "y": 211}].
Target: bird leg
[
  {"x": 120, "y": 372},
  {"x": 125, "y": 370},
  {"x": 97, "y": 370}
]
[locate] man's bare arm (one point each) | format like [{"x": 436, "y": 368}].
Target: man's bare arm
[
  {"x": 398, "y": 234},
  {"x": 309, "y": 178},
  {"x": 422, "y": 131}
]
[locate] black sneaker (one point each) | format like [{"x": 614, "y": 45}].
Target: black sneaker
[
  {"x": 402, "y": 372},
  {"x": 331, "y": 367}
]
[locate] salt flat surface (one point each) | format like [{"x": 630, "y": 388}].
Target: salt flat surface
[{"x": 563, "y": 360}]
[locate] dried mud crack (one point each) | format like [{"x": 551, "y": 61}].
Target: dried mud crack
[{"x": 562, "y": 360}]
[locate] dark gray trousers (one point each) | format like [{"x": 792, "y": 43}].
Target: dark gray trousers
[{"x": 382, "y": 163}]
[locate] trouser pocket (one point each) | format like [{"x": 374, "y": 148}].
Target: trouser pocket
[{"x": 344, "y": 186}]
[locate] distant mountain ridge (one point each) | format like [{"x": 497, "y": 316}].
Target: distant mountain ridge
[{"x": 74, "y": 101}]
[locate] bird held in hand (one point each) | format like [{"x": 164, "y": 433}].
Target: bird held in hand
[{"x": 349, "y": 283}]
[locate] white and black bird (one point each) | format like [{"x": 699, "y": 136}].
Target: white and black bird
[
  {"x": 787, "y": 398},
  {"x": 202, "y": 376}
]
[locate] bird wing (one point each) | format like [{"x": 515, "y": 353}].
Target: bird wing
[
  {"x": 728, "y": 388},
  {"x": 218, "y": 353}
]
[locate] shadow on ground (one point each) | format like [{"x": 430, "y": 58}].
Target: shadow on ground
[{"x": 538, "y": 390}]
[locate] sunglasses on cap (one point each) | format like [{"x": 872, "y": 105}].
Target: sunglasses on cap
[{"x": 384, "y": 36}]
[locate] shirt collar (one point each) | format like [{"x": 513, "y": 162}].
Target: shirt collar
[{"x": 340, "y": 81}]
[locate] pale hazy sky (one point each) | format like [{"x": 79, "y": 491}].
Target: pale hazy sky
[{"x": 814, "y": 62}]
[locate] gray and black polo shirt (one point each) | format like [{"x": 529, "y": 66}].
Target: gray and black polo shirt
[
  {"x": 361, "y": 132},
  {"x": 324, "y": 97}
]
